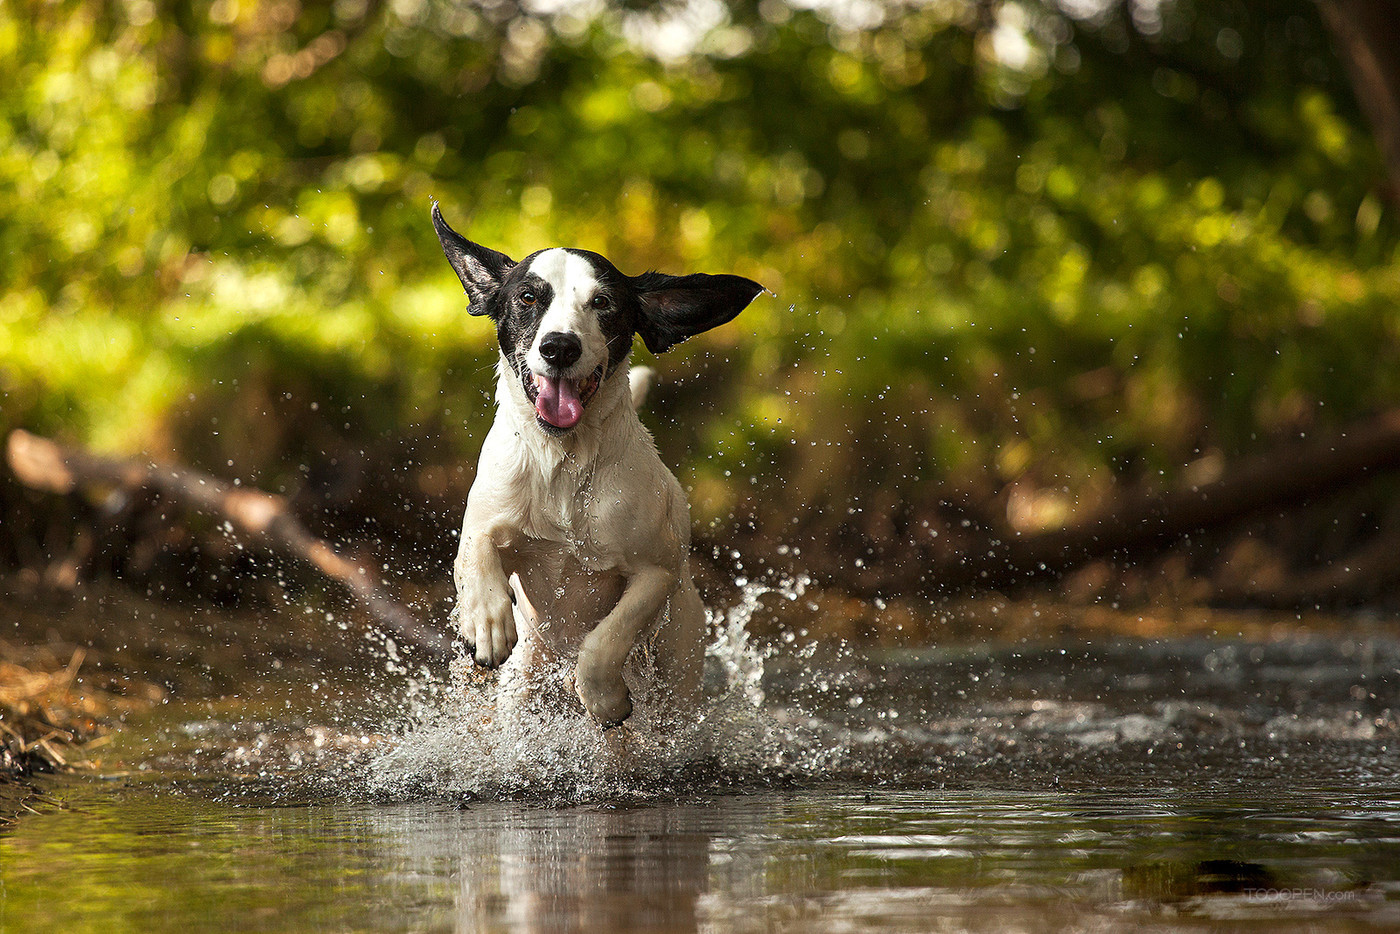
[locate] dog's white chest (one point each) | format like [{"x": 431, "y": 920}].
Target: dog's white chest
[{"x": 566, "y": 522}]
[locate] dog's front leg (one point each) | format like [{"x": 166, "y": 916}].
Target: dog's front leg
[
  {"x": 484, "y": 612},
  {"x": 598, "y": 678}
]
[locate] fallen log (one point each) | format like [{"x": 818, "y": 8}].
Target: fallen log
[
  {"x": 260, "y": 517},
  {"x": 1140, "y": 520}
]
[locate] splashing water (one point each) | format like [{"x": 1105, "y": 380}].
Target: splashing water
[
  {"x": 1135, "y": 779},
  {"x": 795, "y": 712},
  {"x": 465, "y": 738}
]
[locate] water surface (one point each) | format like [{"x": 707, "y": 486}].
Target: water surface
[{"x": 1117, "y": 784}]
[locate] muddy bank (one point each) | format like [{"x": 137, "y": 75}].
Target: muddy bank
[{"x": 76, "y": 664}]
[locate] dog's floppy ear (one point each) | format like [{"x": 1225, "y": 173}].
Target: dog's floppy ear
[
  {"x": 677, "y": 307},
  {"x": 480, "y": 269}
]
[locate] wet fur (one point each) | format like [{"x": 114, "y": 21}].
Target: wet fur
[{"x": 575, "y": 544}]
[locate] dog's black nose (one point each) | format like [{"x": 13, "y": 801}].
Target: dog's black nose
[{"x": 561, "y": 350}]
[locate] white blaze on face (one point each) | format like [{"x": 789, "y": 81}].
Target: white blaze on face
[
  {"x": 560, "y": 397},
  {"x": 571, "y": 279}
]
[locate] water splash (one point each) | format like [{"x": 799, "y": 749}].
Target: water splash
[
  {"x": 464, "y": 738},
  {"x": 796, "y": 711}
]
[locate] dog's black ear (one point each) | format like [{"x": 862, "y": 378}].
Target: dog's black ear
[
  {"x": 677, "y": 307},
  {"x": 480, "y": 269}
]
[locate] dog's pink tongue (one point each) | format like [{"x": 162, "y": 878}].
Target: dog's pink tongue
[{"x": 558, "y": 402}]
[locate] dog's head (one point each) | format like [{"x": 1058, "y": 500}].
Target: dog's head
[{"x": 565, "y": 318}]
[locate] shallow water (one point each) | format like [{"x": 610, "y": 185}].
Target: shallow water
[
  {"x": 1189, "y": 784},
  {"x": 155, "y": 857}
]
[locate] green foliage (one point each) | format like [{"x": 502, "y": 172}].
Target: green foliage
[{"x": 1019, "y": 250}]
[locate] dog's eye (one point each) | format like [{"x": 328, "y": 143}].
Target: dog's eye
[
  {"x": 528, "y": 298},
  {"x": 600, "y": 303}
]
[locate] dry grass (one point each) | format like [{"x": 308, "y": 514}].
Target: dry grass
[{"x": 50, "y": 713}]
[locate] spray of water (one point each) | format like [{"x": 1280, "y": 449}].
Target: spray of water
[{"x": 465, "y": 738}]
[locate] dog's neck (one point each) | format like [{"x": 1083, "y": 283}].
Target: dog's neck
[{"x": 608, "y": 414}]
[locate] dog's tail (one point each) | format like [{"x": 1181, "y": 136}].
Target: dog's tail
[{"x": 640, "y": 379}]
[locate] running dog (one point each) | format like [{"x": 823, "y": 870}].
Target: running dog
[{"x": 575, "y": 545}]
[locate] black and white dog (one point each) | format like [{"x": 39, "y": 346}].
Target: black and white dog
[{"x": 576, "y": 537}]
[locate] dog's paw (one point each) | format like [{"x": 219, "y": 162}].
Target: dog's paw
[
  {"x": 487, "y": 621},
  {"x": 604, "y": 696}
]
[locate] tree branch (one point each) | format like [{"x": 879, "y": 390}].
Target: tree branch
[
  {"x": 1142, "y": 521},
  {"x": 261, "y": 517}
]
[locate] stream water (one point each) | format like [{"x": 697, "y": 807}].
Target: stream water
[{"x": 1111, "y": 784}]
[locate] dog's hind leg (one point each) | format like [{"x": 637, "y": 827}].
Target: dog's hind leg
[
  {"x": 680, "y": 647},
  {"x": 526, "y": 617},
  {"x": 531, "y": 673}
]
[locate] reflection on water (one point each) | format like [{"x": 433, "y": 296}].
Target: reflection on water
[
  {"x": 1125, "y": 784},
  {"x": 156, "y": 857}
]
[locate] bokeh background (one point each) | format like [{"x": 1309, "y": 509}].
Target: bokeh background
[{"x": 1025, "y": 257}]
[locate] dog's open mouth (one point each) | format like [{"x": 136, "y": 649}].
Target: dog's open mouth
[{"x": 559, "y": 402}]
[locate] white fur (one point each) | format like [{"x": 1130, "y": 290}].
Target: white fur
[
  {"x": 588, "y": 530},
  {"x": 573, "y": 283}
]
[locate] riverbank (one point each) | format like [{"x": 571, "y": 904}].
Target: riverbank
[{"x": 75, "y": 664}]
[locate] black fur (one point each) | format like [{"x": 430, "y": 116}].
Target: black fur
[
  {"x": 663, "y": 309},
  {"x": 677, "y": 307},
  {"x": 480, "y": 269}
]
